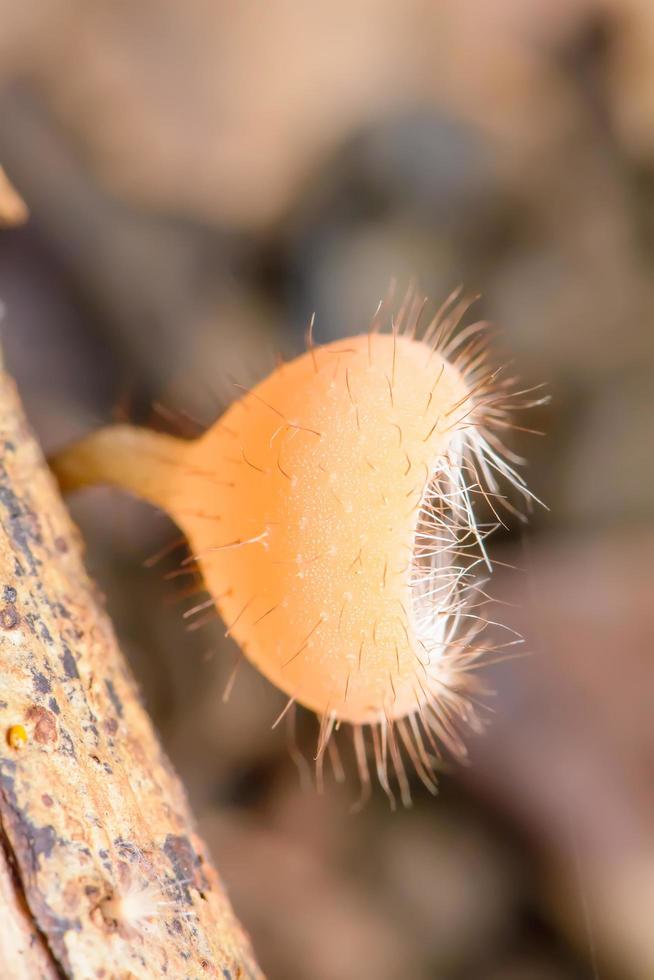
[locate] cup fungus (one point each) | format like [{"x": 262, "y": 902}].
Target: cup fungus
[{"x": 331, "y": 512}]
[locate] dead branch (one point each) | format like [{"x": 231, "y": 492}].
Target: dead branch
[{"x": 101, "y": 872}]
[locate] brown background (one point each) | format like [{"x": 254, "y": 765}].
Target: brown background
[{"x": 201, "y": 177}]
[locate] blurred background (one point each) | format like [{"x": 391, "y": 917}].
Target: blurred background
[{"x": 201, "y": 178}]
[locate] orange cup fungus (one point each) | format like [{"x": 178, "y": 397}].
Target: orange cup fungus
[{"x": 331, "y": 511}]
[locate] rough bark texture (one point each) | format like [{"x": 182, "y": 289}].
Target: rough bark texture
[{"x": 101, "y": 873}]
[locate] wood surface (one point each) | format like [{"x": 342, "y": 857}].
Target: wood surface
[{"x": 101, "y": 872}]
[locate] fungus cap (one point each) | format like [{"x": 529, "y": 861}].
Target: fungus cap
[
  {"x": 331, "y": 512},
  {"x": 326, "y": 463}
]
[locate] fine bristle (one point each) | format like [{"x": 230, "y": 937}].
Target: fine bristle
[{"x": 141, "y": 902}]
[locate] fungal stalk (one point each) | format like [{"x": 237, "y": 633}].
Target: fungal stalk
[{"x": 332, "y": 513}]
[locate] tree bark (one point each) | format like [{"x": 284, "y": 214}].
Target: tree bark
[{"x": 101, "y": 872}]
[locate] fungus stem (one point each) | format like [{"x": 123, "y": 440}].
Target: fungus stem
[{"x": 143, "y": 462}]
